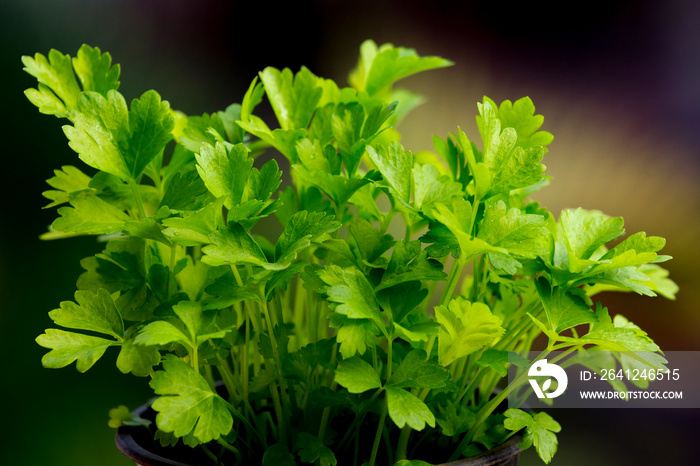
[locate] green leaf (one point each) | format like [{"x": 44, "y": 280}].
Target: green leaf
[
  {"x": 355, "y": 124},
  {"x": 457, "y": 219},
  {"x": 659, "y": 281},
  {"x": 197, "y": 321},
  {"x": 442, "y": 241},
  {"x": 194, "y": 229},
  {"x": 626, "y": 267},
  {"x": 315, "y": 158},
  {"x": 408, "y": 263},
  {"x": 67, "y": 347},
  {"x": 303, "y": 229},
  {"x": 511, "y": 166},
  {"x": 122, "y": 416},
  {"x": 94, "y": 312},
  {"x": 252, "y": 98},
  {"x": 191, "y": 314},
  {"x": 263, "y": 184},
  {"x": 521, "y": 117},
  {"x": 284, "y": 140},
  {"x": 480, "y": 171},
  {"x": 499, "y": 359},
  {"x": 160, "y": 333},
  {"x": 293, "y": 98},
  {"x": 91, "y": 215},
  {"x": 139, "y": 360},
  {"x": 278, "y": 455},
  {"x": 540, "y": 430},
  {"x": 187, "y": 405},
  {"x": 58, "y": 91},
  {"x": 354, "y": 335},
  {"x": 224, "y": 170},
  {"x": 184, "y": 191},
  {"x": 432, "y": 187},
  {"x": 583, "y": 232},
  {"x": 118, "y": 268},
  {"x": 352, "y": 293},
  {"x": 233, "y": 245},
  {"x": 564, "y": 310},
  {"x": 637, "y": 249},
  {"x": 395, "y": 164},
  {"x": 619, "y": 335},
  {"x": 625, "y": 278},
  {"x": 466, "y": 327},
  {"x": 415, "y": 333},
  {"x": 209, "y": 129},
  {"x": 364, "y": 200},
  {"x": 371, "y": 243},
  {"x": 407, "y": 409},
  {"x": 337, "y": 187},
  {"x": 95, "y": 70},
  {"x": 417, "y": 371},
  {"x": 380, "y": 67},
  {"x": 357, "y": 376},
  {"x": 68, "y": 182},
  {"x": 520, "y": 234},
  {"x": 228, "y": 292},
  {"x": 146, "y": 228},
  {"x": 311, "y": 450},
  {"x": 150, "y": 129},
  {"x": 108, "y": 137},
  {"x": 402, "y": 298}
]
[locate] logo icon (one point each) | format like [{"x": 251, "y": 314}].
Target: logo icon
[{"x": 542, "y": 368}]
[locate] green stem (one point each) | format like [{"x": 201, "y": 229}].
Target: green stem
[
  {"x": 171, "y": 270},
  {"x": 384, "y": 225},
  {"x": 278, "y": 365},
  {"x": 452, "y": 280},
  {"x": 378, "y": 435},
  {"x": 488, "y": 408},
  {"x": 298, "y": 312},
  {"x": 245, "y": 422},
  {"x": 408, "y": 231},
  {"x": 324, "y": 418},
  {"x": 194, "y": 358},
  {"x": 230, "y": 448},
  {"x": 209, "y": 377},
  {"x": 227, "y": 377},
  {"x": 327, "y": 409},
  {"x": 257, "y": 146},
  {"x": 137, "y": 198},
  {"x": 245, "y": 365},
  {"x": 402, "y": 447},
  {"x": 476, "y": 282},
  {"x": 211, "y": 455},
  {"x": 481, "y": 416},
  {"x": 359, "y": 418}
]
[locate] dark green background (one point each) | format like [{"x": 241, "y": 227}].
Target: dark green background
[{"x": 618, "y": 83}]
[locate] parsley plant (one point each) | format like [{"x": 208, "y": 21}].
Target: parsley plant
[{"x": 379, "y": 321}]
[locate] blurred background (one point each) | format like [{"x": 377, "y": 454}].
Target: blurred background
[{"x": 617, "y": 81}]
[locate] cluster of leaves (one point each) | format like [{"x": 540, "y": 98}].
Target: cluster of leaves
[{"x": 338, "y": 337}]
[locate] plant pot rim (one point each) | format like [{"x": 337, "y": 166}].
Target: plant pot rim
[{"x": 128, "y": 443}]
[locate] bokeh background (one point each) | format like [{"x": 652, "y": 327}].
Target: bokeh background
[{"x": 617, "y": 81}]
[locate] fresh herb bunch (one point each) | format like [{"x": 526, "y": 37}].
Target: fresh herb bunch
[{"x": 379, "y": 322}]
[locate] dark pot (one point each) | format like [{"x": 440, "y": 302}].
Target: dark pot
[{"x": 137, "y": 444}]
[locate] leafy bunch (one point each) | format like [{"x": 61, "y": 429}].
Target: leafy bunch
[{"x": 352, "y": 335}]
